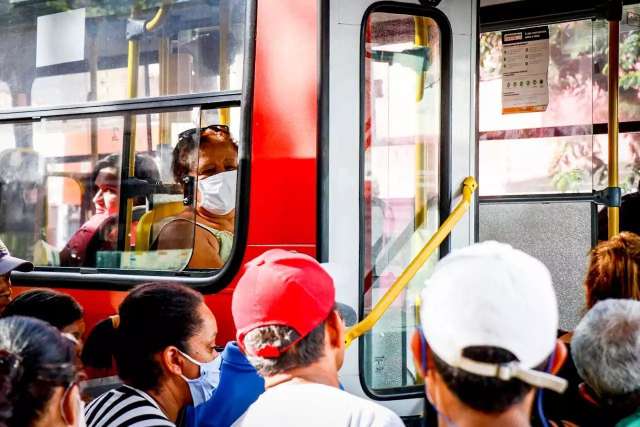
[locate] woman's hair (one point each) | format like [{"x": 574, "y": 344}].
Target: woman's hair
[
  {"x": 614, "y": 269},
  {"x": 98, "y": 348},
  {"x": 184, "y": 153},
  {"x": 34, "y": 359},
  {"x": 56, "y": 308},
  {"x": 153, "y": 317},
  {"x": 145, "y": 167}
]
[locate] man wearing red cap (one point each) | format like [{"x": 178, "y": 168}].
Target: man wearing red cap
[{"x": 291, "y": 329}]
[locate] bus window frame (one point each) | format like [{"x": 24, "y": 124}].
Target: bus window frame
[
  {"x": 207, "y": 282},
  {"x": 445, "y": 172}
]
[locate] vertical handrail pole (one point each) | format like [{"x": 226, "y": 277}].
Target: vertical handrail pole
[{"x": 614, "y": 54}]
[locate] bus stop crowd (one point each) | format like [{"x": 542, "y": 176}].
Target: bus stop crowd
[{"x": 487, "y": 346}]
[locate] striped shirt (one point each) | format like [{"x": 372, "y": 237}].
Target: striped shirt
[{"x": 125, "y": 407}]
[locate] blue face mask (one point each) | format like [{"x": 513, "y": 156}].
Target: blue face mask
[{"x": 202, "y": 388}]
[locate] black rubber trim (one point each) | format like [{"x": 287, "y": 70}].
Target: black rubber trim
[
  {"x": 538, "y": 198},
  {"x": 529, "y": 13},
  {"x": 557, "y": 131},
  {"x": 323, "y": 152},
  {"x": 140, "y": 105},
  {"x": 446, "y": 41},
  {"x": 205, "y": 281}
]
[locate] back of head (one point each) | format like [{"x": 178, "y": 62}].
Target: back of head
[
  {"x": 56, "y": 308},
  {"x": 606, "y": 351},
  {"x": 280, "y": 307},
  {"x": 614, "y": 269},
  {"x": 489, "y": 315},
  {"x": 153, "y": 317},
  {"x": 34, "y": 359}
]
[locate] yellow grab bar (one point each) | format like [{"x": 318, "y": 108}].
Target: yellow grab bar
[{"x": 469, "y": 185}]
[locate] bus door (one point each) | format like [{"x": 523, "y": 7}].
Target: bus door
[
  {"x": 393, "y": 148},
  {"x": 540, "y": 172}
]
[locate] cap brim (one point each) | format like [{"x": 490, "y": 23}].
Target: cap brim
[
  {"x": 348, "y": 314},
  {"x": 9, "y": 264}
]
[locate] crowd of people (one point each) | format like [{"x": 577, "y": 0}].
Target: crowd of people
[{"x": 487, "y": 346}]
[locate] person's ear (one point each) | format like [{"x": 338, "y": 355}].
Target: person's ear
[
  {"x": 334, "y": 328},
  {"x": 171, "y": 360},
  {"x": 419, "y": 353},
  {"x": 559, "y": 357},
  {"x": 69, "y": 406}
]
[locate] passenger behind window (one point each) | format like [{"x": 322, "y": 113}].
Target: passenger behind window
[
  {"x": 56, "y": 308},
  {"x": 487, "y": 336},
  {"x": 215, "y": 167},
  {"x": 38, "y": 376},
  {"x": 100, "y": 232},
  {"x": 164, "y": 348},
  {"x": 292, "y": 331},
  {"x": 606, "y": 351},
  {"x": 613, "y": 272}
]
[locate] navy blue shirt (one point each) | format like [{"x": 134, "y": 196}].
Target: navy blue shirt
[{"x": 240, "y": 386}]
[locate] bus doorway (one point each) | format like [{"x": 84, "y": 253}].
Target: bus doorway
[{"x": 543, "y": 174}]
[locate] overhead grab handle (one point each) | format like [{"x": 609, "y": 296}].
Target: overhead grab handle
[{"x": 469, "y": 186}]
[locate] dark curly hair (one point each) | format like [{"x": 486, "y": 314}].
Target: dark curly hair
[
  {"x": 34, "y": 359},
  {"x": 153, "y": 317},
  {"x": 56, "y": 308}
]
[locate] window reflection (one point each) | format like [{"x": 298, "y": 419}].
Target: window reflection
[{"x": 74, "y": 52}]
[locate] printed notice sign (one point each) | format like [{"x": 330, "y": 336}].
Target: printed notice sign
[
  {"x": 60, "y": 38},
  {"x": 525, "y": 66}
]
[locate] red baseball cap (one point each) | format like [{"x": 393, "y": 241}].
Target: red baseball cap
[{"x": 282, "y": 288}]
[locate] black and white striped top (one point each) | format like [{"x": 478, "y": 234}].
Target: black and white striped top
[{"x": 125, "y": 407}]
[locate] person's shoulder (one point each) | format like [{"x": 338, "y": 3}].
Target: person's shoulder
[
  {"x": 371, "y": 413},
  {"x": 365, "y": 412},
  {"x": 131, "y": 404}
]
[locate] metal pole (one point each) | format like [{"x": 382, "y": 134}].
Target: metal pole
[{"x": 614, "y": 46}]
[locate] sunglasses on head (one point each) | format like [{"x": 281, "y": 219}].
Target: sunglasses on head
[{"x": 189, "y": 133}]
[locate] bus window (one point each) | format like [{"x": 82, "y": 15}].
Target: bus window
[
  {"x": 67, "y": 203},
  {"x": 402, "y": 147},
  {"x": 77, "y": 52}
]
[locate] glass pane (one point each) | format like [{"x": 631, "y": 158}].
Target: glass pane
[
  {"x": 402, "y": 170},
  {"x": 547, "y": 152},
  {"x": 213, "y": 165},
  {"x": 77, "y": 51},
  {"x": 66, "y": 201},
  {"x": 629, "y": 90},
  {"x": 540, "y": 165}
]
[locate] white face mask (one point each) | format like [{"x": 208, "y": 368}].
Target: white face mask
[{"x": 218, "y": 192}]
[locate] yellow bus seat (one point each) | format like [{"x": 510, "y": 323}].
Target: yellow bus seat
[{"x": 145, "y": 225}]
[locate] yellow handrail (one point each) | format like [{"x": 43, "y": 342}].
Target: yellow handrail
[
  {"x": 613, "y": 212},
  {"x": 468, "y": 187}
]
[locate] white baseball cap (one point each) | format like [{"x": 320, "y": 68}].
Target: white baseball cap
[{"x": 490, "y": 294}]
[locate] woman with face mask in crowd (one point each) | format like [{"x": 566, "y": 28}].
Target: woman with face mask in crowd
[
  {"x": 38, "y": 376},
  {"x": 214, "y": 213},
  {"x": 165, "y": 358}
]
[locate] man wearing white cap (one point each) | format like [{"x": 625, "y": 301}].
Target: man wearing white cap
[
  {"x": 487, "y": 335},
  {"x": 8, "y": 264}
]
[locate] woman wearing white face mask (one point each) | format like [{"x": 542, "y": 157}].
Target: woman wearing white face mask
[
  {"x": 214, "y": 214},
  {"x": 37, "y": 376},
  {"x": 166, "y": 358}
]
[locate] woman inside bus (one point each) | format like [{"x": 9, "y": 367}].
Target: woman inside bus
[
  {"x": 100, "y": 232},
  {"x": 613, "y": 272},
  {"x": 214, "y": 211},
  {"x": 166, "y": 358},
  {"x": 37, "y": 376}
]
